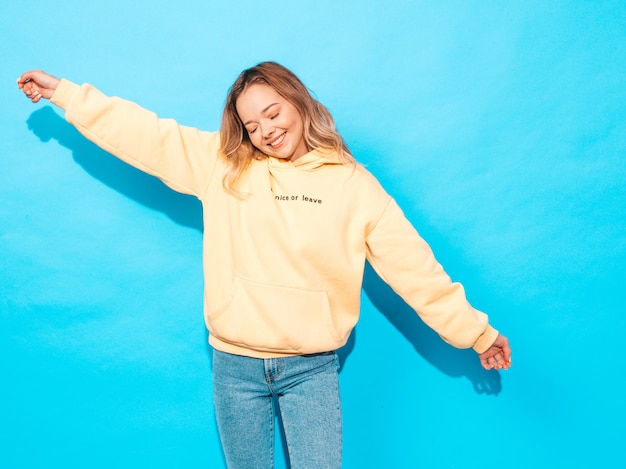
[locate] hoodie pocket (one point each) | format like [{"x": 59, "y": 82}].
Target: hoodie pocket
[{"x": 275, "y": 319}]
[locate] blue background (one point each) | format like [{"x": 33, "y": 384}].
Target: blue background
[{"x": 498, "y": 126}]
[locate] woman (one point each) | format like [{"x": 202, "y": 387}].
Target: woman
[{"x": 290, "y": 219}]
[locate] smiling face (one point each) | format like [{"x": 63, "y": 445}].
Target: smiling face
[{"x": 274, "y": 125}]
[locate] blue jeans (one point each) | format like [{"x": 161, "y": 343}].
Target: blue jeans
[{"x": 307, "y": 391}]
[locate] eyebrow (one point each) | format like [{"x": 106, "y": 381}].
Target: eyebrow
[{"x": 262, "y": 112}]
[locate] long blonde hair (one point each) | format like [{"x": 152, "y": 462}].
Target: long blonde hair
[{"x": 319, "y": 127}]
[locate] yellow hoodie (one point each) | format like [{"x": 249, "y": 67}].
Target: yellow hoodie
[{"x": 284, "y": 266}]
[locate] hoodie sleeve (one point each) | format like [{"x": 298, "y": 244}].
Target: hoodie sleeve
[
  {"x": 184, "y": 158},
  {"x": 405, "y": 261}
]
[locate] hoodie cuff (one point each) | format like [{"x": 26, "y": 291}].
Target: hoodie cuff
[
  {"x": 64, "y": 94},
  {"x": 486, "y": 340}
]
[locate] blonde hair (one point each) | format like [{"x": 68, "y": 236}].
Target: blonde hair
[{"x": 319, "y": 127}]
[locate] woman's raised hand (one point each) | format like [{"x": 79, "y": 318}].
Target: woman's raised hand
[{"x": 37, "y": 84}]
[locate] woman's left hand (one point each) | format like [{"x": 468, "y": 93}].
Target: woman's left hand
[{"x": 498, "y": 356}]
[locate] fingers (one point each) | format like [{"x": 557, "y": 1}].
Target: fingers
[
  {"x": 24, "y": 78},
  {"x": 36, "y": 98},
  {"x": 507, "y": 353},
  {"x": 496, "y": 361},
  {"x": 32, "y": 91},
  {"x": 30, "y": 88},
  {"x": 489, "y": 363},
  {"x": 37, "y": 84},
  {"x": 499, "y": 363},
  {"x": 498, "y": 356}
]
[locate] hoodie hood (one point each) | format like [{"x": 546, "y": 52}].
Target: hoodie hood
[{"x": 310, "y": 161}]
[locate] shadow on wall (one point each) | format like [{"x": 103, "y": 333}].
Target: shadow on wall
[
  {"x": 134, "y": 184},
  {"x": 449, "y": 360}
]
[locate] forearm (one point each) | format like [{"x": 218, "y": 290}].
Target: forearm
[
  {"x": 182, "y": 157},
  {"x": 406, "y": 262}
]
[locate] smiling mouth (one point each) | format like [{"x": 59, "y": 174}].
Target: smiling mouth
[{"x": 278, "y": 141}]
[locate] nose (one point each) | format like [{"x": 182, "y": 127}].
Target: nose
[{"x": 267, "y": 131}]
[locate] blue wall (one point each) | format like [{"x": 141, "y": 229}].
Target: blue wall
[{"x": 499, "y": 127}]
